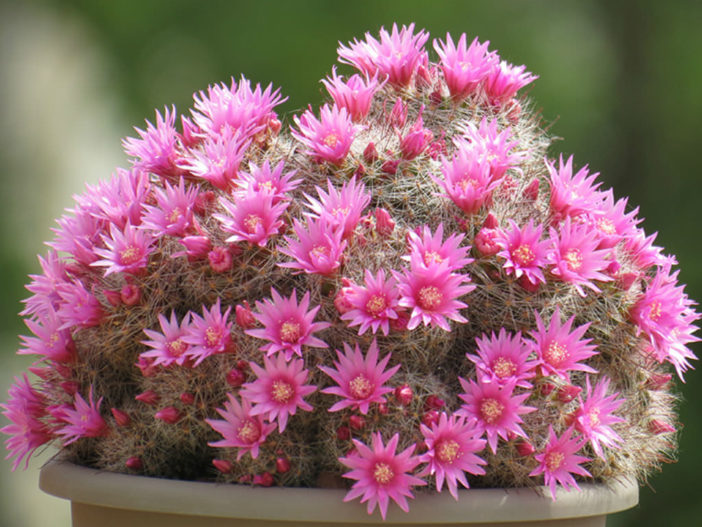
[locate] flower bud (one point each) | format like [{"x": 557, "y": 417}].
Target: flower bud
[
  {"x": 547, "y": 388},
  {"x": 113, "y": 297},
  {"x": 430, "y": 418},
  {"x": 404, "y": 394},
  {"x": 524, "y": 448},
  {"x": 148, "y": 397},
  {"x": 370, "y": 154},
  {"x": 524, "y": 282},
  {"x": 169, "y": 414},
  {"x": 187, "y": 398},
  {"x": 357, "y": 422},
  {"x": 121, "y": 418},
  {"x": 656, "y": 426},
  {"x": 235, "y": 377},
  {"x": 341, "y": 300},
  {"x": 485, "y": 242},
  {"x": 384, "y": 223},
  {"x": 224, "y": 466},
  {"x": 134, "y": 463},
  {"x": 282, "y": 465},
  {"x": 531, "y": 192},
  {"x": 434, "y": 403},
  {"x": 70, "y": 387},
  {"x": 130, "y": 294},
  {"x": 220, "y": 259},
  {"x": 264, "y": 480},
  {"x": 390, "y": 166},
  {"x": 343, "y": 433},
  {"x": 244, "y": 316},
  {"x": 658, "y": 381},
  {"x": 568, "y": 393}
]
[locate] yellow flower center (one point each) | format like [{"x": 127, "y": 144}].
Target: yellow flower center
[
  {"x": 556, "y": 353},
  {"x": 130, "y": 255},
  {"x": 594, "y": 416},
  {"x": 432, "y": 257},
  {"x": 175, "y": 215},
  {"x": 504, "y": 367},
  {"x": 376, "y": 304},
  {"x": 249, "y": 431},
  {"x": 523, "y": 255},
  {"x": 213, "y": 336},
  {"x": 448, "y": 451},
  {"x": 176, "y": 347},
  {"x": 573, "y": 259},
  {"x": 282, "y": 391},
  {"x": 430, "y": 297},
  {"x": 383, "y": 473},
  {"x": 251, "y": 222},
  {"x": 491, "y": 410},
  {"x": 290, "y": 331},
  {"x": 319, "y": 251},
  {"x": 331, "y": 140},
  {"x": 606, "y": 226},
  {"x": 360, "y": 387},
  {"x": 553, "y": 461},
  {"x": 654, "y": 312}
]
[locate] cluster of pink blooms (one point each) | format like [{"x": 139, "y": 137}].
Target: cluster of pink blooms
[{"x": 207, "y": 191}]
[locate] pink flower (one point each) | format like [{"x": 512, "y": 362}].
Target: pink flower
[
  {"x": 278, "y": 390},
  {"x": 44, "y": 287},
  {"x": 612, "y": 222},
  {"x": 524, "y": 251},
  {"x": 356, "y": 94},
  {"x": 173, "y": 213},
  {"x": 77, "y": 235},
  {"x": 464, "y": 67},
  {"x": 168, "y": 345},
  {"x": 318, "y": 248},
  {"x": 558, "y": 461},
  {"x": 575, "y": 258},
  {"x": 240, "y": 428},
  {"x": 415, "y": 140},
  {"x": 397, "y": 56},
  {"x": 360, "y": 380},
  {"x": 217, "y": 158},
  {"x": 452, "y": 443},
  {"x": 504, "y": 81},
  {"x": 595, "y": 415},
  {"x": 491, "y": 146},
  {"x": 495, "y": 408},
  {"x": 328, "y": 138},
  {"x": 237, "y": 107},
  {"x": 503, "y": 359},
  {"x": 208, "y": 334},
  {"x": 558, "y": 349},
  {"x": 433, "y": 294},
  {"x": 24, "y": 409},
  {"x": 288, "y": 326},
  {"x": 427, "y": 249},
  {"x": 263, "y": 180},
  {"x": 252, "y": 217},
  {"x": 571, "y": 195},
  {"x": 466, "y": 179},
  {"x": 381, "y": 474},
  {"x": 343, "y": 208},
  {"x": 157, "y": 149},
  {"x": 82, "y": 419},
  {"x": 373, "y": 305},
  {"x": 50, "y": 341},
  {"x": 665, "y": 315},
  {"x": 79, "y": 307},
  {"x": 126, "y": 252}
]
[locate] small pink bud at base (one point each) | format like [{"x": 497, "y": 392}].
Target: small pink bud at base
[
  {"x": 70, "y": 387},
  {"x": 524, "y": 282},
  {"x": 241, "y": 365},
  {"x": 568, "y": 393},
  {"x": 282, "y": 465},
  {"x": 264, "y": 480},
  {"x": 384, "y": 223},
  {"x": 134, "y": 463},
  {"x": 357, "y": 422},
  {"x": 383, "y": 409},
  {"x": 121, "y": 418},
  {"x": 390, "y": 166},
  {"x": 435, "y": 97},
  {"x": 148, "y": 397},
  {"x": 274, "y": 125},
  {"x": 370, "y": 154},
  {"x": 113, "y": 297},
  {"x": 626, "y": 280},
  {"x": 430, "y": 418},
  {"x": 434, "y": 403},
  {"x": 146, "y": 366},
  {"x": 656, "y": 426},
  {"x": 547, "y": 388},
  {"x": 196, "y": 246},
  {"x": 130, "y": 294},
  {"x": 490, "y": 222},
  {"x": 531, "y": 192},
  {"x": 341, "y": 300},
  {"x": 343, "y": 433},
  {"x": 169, "y": 414},
  {"x": 224, "y": 466},
  {"x": 244, "y": 316},
  {"x": 220, "y": 259},
  {"x": 235, "y": 378},
  {"x": 398, "y": 114},
  {"x": 658, "y": 381},
  {"x": 360, "y": 171},
  {"x": 187, "y": 398},
  {"x": 400, "y": 323},
  {"x": 404, "y": 394},
  {"x": 485, "y": 242},
  {"x": 524, "y": 448}
]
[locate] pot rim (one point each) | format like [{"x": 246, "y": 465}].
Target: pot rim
[{"x": 132, "y": 492}]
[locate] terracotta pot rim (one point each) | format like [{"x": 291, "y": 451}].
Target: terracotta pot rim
[{"x": 123, "y": 491}]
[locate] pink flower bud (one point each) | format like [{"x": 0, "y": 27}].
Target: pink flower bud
[
  {"x": 242, "y": 365},
  {"x": 524, "y": 282},
  {"x": 341, "y": 300},
  {"x": 70, "y": 387},
  {"x": 524, "y": 448},
  {"x": 224, "y": 466},
  {"x": 187, "y": 398},
  {"x": 148, "y": 397},
  {"x": 515, "y": 112},
  {"x": 390, "y": 166},
  {"x": 435, "y": 97},
  {"x": 360, "y": 171},
  {"x": 400, "y": 323},
  {"x": 436, "y": 149},
  {"x": 113, "y": 297},
  {"x": 235, "y": 378},
  {"x": 244, "y": 316},
  {"x": 568, "y": 393},
  {"x": 134, "y": 463},
  {"x": 343, "y": 433},
  {"x": 547, "y": 388},
  {"x": 264, "y": 480},
  {"x": 130, "y": 294},
  {"x": 613, "y": 268},
  {"x": 42, "y": 372},
  {"x": 383, "y": 409},
  {"x": 531, "y": 192},
  {"x": 370, "y": 154},
  {"x": 282, "y": 465},
  {"x": 146, "y": 366},
  {"x": 414, "y": 143},
  {"x": 384, "y": 223},
  {"x": 626, "y": 280},
  {"x": 430, "y": 418},
  {"x": 398, "y": 114},
  {"x": 404, "y": 394},
  {"x": 220, "y": 259},
  {"x": 490, "y": 222},
  {"x": 121, "y": 418},
  {"x": 204, "y": 201},
  {"x": 658, "y": 381},
  {"x": 357, "y": 422},
  {"x": 169, "y": 414},
  {"x": 274, "y": 125},
  {"x": 196, "y": 246},
  {"x": 656, "y": 426},
  {"x": 485, "y": 242},
  {"x": 434, "y": 403}
]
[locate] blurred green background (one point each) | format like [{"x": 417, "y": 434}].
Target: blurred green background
[{"x": 619, "y": 81}]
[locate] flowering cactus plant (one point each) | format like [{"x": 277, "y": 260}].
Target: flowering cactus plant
[{"x": 400, "y": 290}]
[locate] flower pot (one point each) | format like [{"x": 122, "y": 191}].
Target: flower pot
[{"x": 107, "y": 499}]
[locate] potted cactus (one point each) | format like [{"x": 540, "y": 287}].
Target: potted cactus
[{"x": 396, "y": 297}]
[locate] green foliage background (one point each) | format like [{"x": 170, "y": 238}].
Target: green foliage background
[{"x": 619, "y": 81}]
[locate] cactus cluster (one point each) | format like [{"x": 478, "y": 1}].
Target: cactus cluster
[{"x": 401, "y": 289}]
